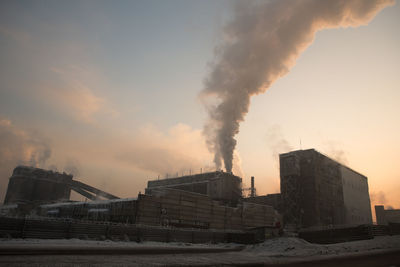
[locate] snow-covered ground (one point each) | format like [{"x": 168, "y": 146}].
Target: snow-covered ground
[
  {"x": 295, "y": 247},
  {"x": 279, "y": 250}
]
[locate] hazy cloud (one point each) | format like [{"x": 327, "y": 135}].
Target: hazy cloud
[
  {"x": 179, "y": 150},
  {"x": 73, "y": 94},
  {"x": 14, "y": 34}
]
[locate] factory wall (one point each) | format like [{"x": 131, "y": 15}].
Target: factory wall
[{"x": 356, "y": 197}]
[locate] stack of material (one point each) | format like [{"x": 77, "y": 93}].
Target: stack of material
[{"x": 170, "y": 207}]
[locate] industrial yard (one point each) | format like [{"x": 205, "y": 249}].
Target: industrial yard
[{"x": 317, "y": 193}]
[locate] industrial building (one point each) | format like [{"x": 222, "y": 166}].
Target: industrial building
[
  {"x": 317, "y": 191},
  {"x": 218, "y": 185},
  {"x": 384, "y": 217},
  {"x": 168, "y": 208},
  {"x": 31, "y": 186},
  {"x": 208, "y": 201}
]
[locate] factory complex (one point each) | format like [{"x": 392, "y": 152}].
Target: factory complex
[{"x": 316, "y": 192}]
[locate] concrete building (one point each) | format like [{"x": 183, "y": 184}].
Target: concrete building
[
  {"x": 29, "y": 185},
  {"x": 217, "y": 185},
  {"x": 384, "y": 217},
  {"x": 317, "y": 191}
]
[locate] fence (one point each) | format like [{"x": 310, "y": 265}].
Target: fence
[{"x": 45, "y": 228}]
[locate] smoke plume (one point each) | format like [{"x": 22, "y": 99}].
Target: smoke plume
[{"x": 262, "y": 43}]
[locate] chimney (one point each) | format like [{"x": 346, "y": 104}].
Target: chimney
[{"x": 252, "y": 189}]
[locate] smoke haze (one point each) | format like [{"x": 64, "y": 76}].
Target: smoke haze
[
  {"x": 19, "y": 147},
  {"x": 179, "y": 151},
  {"x": 334, "y": 150},
  {"x": 277, "y": 142},
  {"x": 261, "y": 44}
]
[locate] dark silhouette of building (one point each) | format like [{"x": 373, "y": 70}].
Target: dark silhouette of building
[
  {"x": 317, "y": 190},
  {"x": 33, "y": 186}
]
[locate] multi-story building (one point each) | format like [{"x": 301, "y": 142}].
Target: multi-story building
[{"x": 316, "y": 191}]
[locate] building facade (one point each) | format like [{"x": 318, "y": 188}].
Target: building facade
[
  {"x": 318, "y": 191},
  {"x": 217, "y": 185}
]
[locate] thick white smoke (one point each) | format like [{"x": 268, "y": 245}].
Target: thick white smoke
[{"x": 262, "y": 43}]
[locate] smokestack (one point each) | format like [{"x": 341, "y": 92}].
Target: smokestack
[
  {"x": 262, "y": 43},
  {"x": 252, "y": 189}
]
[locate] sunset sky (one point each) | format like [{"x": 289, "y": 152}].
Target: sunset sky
[{"x": 109, "y": 91}]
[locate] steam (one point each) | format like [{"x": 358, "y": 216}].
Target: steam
[
  {"x": 72, "y": 166},
  {"x": 277, "y": 142},
  {"x": 378, "y": 197},
  {"x": 19, "y": 147},
  {"x": 262, "y": 43},
  {"x": 334, "y": 151}
]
